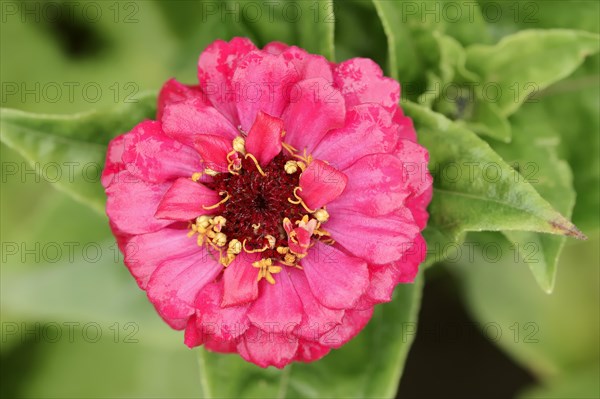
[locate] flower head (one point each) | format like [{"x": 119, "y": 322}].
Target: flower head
[{"x": 269, "y": 208}]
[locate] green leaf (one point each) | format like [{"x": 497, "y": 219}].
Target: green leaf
[
  {"x": 404, "y": 58},
  {"x": 549, "y": 334},
  {"x": 369, "y": 366},
  {"x": 581, "y": 383},
  {"x": 474, "y": 189},
  {"x": 75, "y": 145},
  {"x": 529, "y": 61},
  {"x": 309, "y": 25},
  {"x": 533, "y": 150}
]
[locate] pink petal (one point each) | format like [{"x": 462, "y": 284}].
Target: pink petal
[
  {"x": 384, "y": 278},
  {"x": 376, "y": 185},
  {"x": 114, "y": 163},
  {"x": 275, "y": 48},
  {"x": 310, "y": 351},
  {"x": 239, "y": 278},
  {"x": 317, "y": 319},
  {"x": 174, "y": 92},
  {"x": 265, "y": 348},
  {"x": 321, "y": 184},
  {"x": 217, "y": 322},
  {"x": 336, "y": 280},
  {"x": 213, "y": 150},
  {"x": 145, "y": 252},
  {"x": 414, "y": 159},
  {"x": 354, "y": 321},
  {"x": 418, "y": 207},
  {"x": 131, "y": 204},
  {"x": 406, "y": 128},
  {"x": 176, "y": 282},
  {"x": 154, "y": 157},
  {"x": 216, "y": 68},
  {"x": 264, "y": 138},
  {"x": 368, "y": 130},
  {"x": 315, "y": 108},
  {"x": 186, "y": 120},
  {"x": 361, "y": 81},
  {"x": 308, "y": 65},
  {"x": 265, "y": 81},
  {"x": 378, "y": 240},
  {"x": 192, "y": 337},
  {"x": 185, "y": 199},
  {"x": 277, "y": 306}
]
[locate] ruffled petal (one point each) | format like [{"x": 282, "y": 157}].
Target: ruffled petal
[
  {"x": 155, "y": 157},
  {"x": 277, "y": 306},
  {"x": 175, "y": 284},
  {"x": 378, "y": 240},
  {"x": 321, "y": 184},
  {"x": 315, "y": 108},
  {"x": 185, "y": 200},
  {"x": 131, "y": 204},
  {"x": 114, "y": 162},
  {"x": 186, "y": 120},
  {"x": 368, "y": 130},
  {"x": 376, "y": 185},
  {"x": 354, "y": 321},
  {"x": 220, "y": 323},
  {"x": 174, "y": 92},
  {"x": 265, "y": 348},
  {"x": 361, "y": 81},
  {"x": 308, "y": 65},
  {"x": 145, "y": 252},
  {"x": 264, "y": 81},
  {"x": 264, "y": 138},
  {"x": 384, "y": 278},
  {"x": 310, "y": 351},
  {"x": 336, "y": 279},
  {"x": 216, "y": 67},
  {"x": 317, "y": 319},
  {"x": 239, "y": 278},
  {"x": 213, "y": 150}
]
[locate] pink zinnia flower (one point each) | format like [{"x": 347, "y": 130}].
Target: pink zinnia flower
[{"x": 269, "y": 208}]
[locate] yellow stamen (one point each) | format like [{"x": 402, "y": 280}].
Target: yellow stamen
[
  {"x": 291, "y": 167},
  {"x": 220, "y": 239},
  {"x": 239, "y": 144},
  {"x": 252, "y": 251},
  {"x": 266, "y": 269},
  {"x": 210, "y": 172},
  {"x": 289, "y": 148},
  {"x": 253, "y": 158},
  {"x": 224, "y": 200},
  {"x": 235, "y": 247},
  {"x": 196, "y": 176},
  {"x": 321, "y": 215},
  {"x": 271, "y": 241}
]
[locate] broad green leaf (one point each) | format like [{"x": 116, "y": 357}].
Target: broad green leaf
[
  {"x": 369, "y": 366},
  {"x": 75, "y": 145},
  {"x": 91, "y": 284},
  {"x": 60, "y": 367},
  {"x": 405, "y": 60},
  {"x": 549, "y": 334},
  {"x": 309, "y": 25},
  {"x": 529, "y": 61},
  {"x": 486, "y": 119},
  {"x": 533, "y": 151},
  {"x": 474, "y": 189},
  {"x": 359, "y": 32},
  {"x": 581, "y": 383}
]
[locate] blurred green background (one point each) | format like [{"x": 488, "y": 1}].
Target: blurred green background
[{"x": 74, "y": 323}]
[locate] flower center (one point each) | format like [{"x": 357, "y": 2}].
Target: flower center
[{"x": 260, "y": 211}]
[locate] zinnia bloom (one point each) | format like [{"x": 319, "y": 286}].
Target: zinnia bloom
[{"x": 269, "y": 208}]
